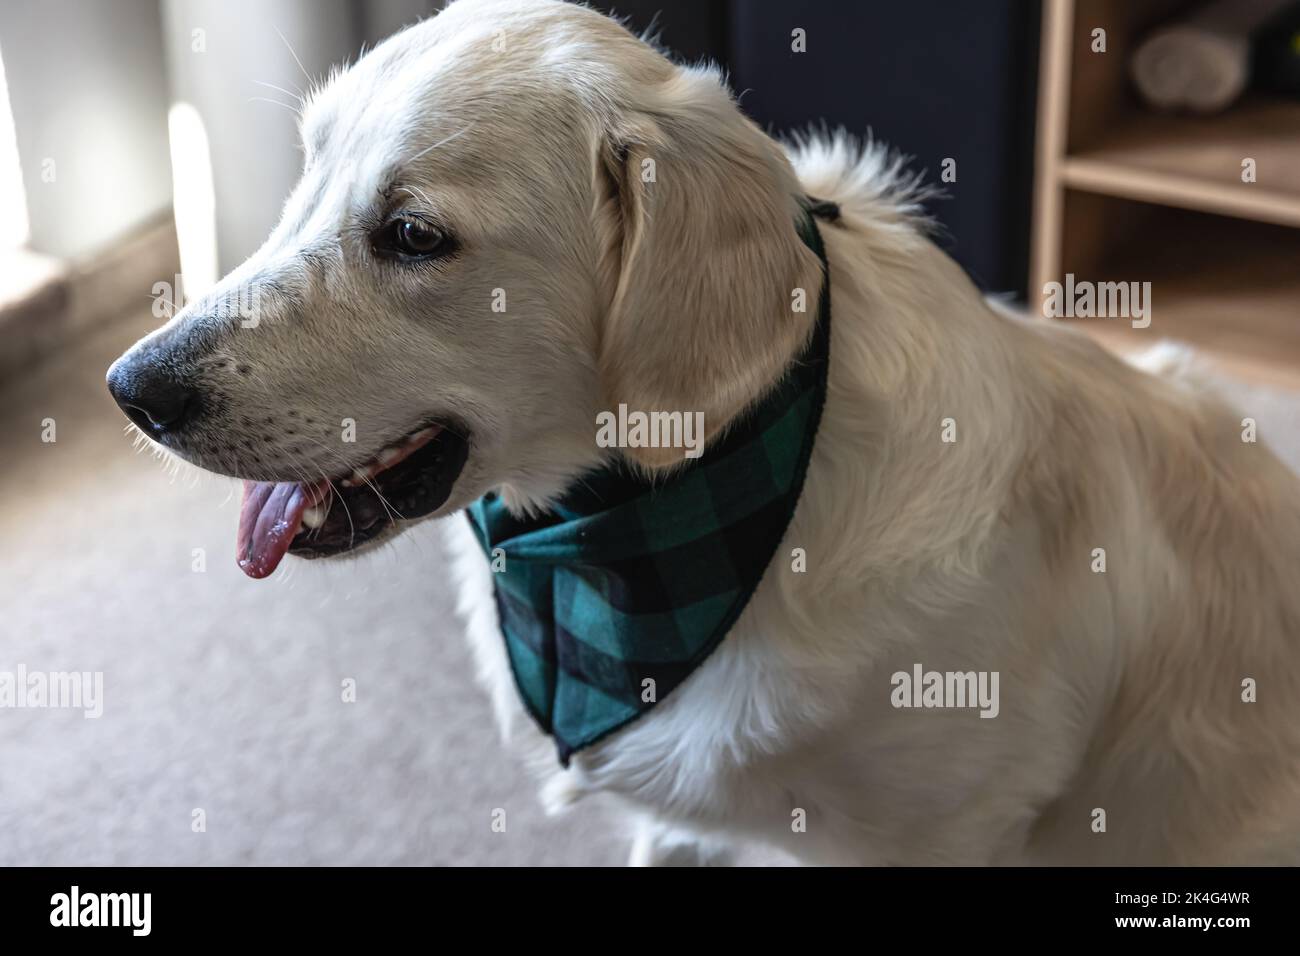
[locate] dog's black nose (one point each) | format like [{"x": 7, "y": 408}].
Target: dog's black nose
[{"x": 151, "y": 397}]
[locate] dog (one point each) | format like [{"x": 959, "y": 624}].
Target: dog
[{"x": 515, "y": 216}]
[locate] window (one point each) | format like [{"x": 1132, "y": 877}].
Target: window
[{"x": 13, "y": 202}]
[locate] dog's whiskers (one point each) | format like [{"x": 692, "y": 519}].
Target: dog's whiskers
[
  {"x": 266, "y": 99},
  {"x": 280, "y": 89},
  {"x": 415, "y": 192},
  {"x": 295, "y": 465},
  {"x": 441, "y": 142},
  {"x": 334, "y": 495},
  {"x": 289, "y": 47},
  {"x": 393, "y": 513}
]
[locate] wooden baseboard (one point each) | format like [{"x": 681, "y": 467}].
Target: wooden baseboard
[{"x": 52, "y": 302}]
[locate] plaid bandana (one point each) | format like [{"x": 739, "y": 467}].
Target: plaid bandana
[{"x": 609, "y": 601}]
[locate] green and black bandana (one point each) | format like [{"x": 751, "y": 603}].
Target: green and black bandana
[{"x": 609, "y": 601}]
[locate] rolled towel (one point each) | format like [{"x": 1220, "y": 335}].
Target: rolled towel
[{"x": 1201, "y": 62}]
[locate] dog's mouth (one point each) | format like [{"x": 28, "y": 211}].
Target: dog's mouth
[{"x": 406, "y": 480}]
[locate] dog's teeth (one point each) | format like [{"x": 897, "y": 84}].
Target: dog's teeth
[
  {"x": 313, "y": 517},
  {"x": 386, "y": 457}
]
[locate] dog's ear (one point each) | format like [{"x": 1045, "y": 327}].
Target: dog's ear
[{"x": 710, "y": 290}]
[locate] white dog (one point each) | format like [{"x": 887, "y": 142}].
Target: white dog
[{"x": 476, "y": 264}]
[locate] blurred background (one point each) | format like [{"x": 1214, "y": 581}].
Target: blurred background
[{"x": 146, "y": 147}]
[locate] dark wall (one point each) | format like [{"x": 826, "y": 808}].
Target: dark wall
[{"x": 933, "y": 78}]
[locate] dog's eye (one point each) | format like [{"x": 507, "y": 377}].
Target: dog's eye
[{"x": 404, "y": 238}]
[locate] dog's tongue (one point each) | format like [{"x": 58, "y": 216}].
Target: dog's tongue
[{"x": 268, "y": 519}]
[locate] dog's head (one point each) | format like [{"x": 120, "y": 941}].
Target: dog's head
[{"x": 512, "y": 216}]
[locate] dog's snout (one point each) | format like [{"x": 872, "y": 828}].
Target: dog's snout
[{"x": 152, "y": 397}]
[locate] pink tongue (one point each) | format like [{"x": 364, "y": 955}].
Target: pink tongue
[{"x": 269, "y": 517}]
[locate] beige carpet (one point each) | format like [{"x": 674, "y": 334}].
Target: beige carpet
[{"x": 224, "y": 694}]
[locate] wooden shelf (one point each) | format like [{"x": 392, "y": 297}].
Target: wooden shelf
[
  {"x": 1195, "y": 162},
  {"x": 1124, "y": 193},
  {"x": 1229, "y": 288}
]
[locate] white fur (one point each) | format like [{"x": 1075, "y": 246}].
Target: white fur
[{"x": 1120, "y": 691}]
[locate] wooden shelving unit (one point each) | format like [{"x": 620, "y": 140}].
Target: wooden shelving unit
[{"x": 1126, "y": 194}]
